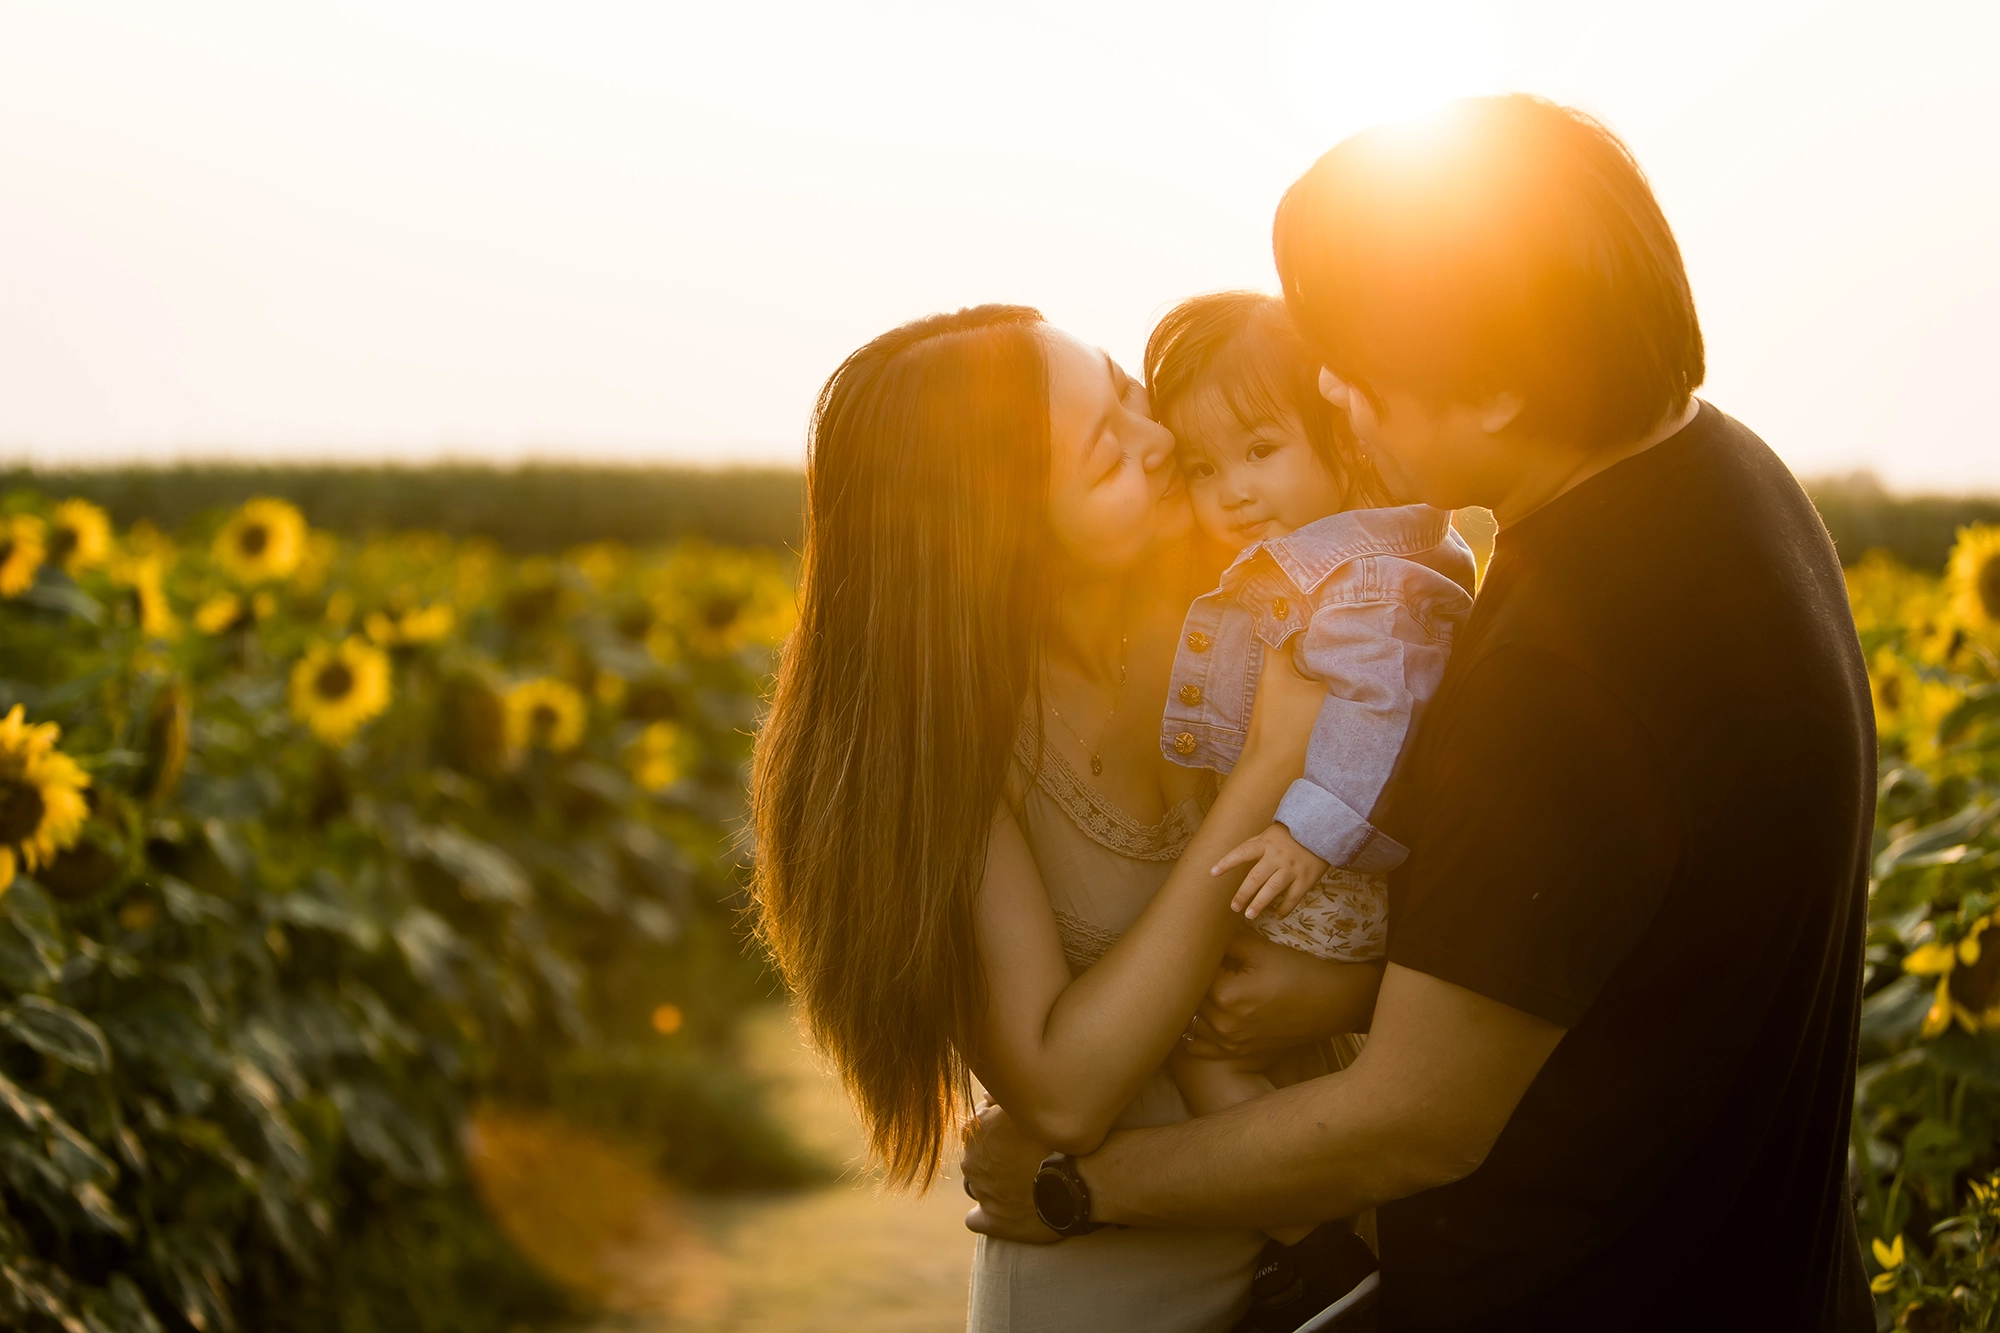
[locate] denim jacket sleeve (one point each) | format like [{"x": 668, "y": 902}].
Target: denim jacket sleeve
[{"x": 1379, "y": 639}]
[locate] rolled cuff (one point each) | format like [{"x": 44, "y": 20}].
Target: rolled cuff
[{"x": 1325, "y": 826}]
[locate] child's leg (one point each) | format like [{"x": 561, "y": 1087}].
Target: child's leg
[{"x": 1209, "y": 1086}]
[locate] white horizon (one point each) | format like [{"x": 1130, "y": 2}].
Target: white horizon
[{"x": 646, "y": 233}]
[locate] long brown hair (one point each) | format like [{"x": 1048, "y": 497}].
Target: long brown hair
[{"x": 925, "y": 583}]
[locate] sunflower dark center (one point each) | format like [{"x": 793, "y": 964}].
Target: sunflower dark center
[
  {"x": 334, "y": 681},
  {"x": 21, "y": 810},
  {"x": 6, "y": 549},
  {"x": 544, "y": 719},
  {"x": 253, "y": 539},
  {"x": 61, "y": 542},
  {"x": 1987, "y": 582},
  {"x": 1892, "y": 693},
  {"x": 720, "y": 612},
  {"x": 635, "y": 621}
]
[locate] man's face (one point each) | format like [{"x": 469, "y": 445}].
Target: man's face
[{"x": 1442, "y": 454}]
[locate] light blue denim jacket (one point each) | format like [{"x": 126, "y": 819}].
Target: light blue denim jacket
[{"x": 1369, "y": 601}]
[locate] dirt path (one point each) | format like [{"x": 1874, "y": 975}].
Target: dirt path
[{"x": 835, "y": 1260}]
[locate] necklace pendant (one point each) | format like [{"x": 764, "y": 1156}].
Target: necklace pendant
[{"x": 1096, "y": 766}]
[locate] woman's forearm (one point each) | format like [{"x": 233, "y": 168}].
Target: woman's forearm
[
  {"x": 1113, "y": 1025},
  {"x": 1076, "y": 1057}
]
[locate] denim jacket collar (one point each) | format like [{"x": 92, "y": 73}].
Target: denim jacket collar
[{"x": 1309, "y": 554}]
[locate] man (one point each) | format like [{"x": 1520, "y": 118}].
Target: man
[{"x": 1610, "y": 1070}]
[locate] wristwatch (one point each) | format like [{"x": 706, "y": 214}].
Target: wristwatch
[{"x": 1062, "y": 1200}]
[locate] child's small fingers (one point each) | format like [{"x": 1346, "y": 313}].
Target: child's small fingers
[
  {"x": 1270, "y": 884},
  {"x": 1241, "y": 854},
  {"x": 1294, "y": 895},
  {"x": 1245, "y": 891}
]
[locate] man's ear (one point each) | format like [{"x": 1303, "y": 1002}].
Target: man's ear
[{"x": 1499, "y": 412}]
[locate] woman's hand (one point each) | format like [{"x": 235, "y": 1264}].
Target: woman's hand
[
  {"x": 999, "y": 1166},
  {"x": 1268, "y": 998}
]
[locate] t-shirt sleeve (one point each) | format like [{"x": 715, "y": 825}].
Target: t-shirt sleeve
[{"x": 1542, "y": 838}]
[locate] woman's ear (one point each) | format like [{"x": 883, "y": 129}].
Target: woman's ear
[{"x": 1499, "y": 412}]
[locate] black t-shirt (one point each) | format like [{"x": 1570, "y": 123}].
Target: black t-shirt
[{"x": 1640, "y": 807}]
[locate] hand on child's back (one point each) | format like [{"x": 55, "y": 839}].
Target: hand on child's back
[{"x": 1281, "y": 872}]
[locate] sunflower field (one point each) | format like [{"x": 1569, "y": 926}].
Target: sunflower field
[
  {"x": 309, "y": 850},
  {"x": 1927, "y": 1110}
]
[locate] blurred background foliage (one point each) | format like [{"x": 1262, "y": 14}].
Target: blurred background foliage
[
  {"x": 1926, "y": 1129},
  {"x": 315, "y": 851},
  {"x": 323, "y": 847},
  {"x": 531, "y": 509},
  {"x": 550, "y": 508}
]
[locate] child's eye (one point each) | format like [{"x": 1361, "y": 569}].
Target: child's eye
[
  {"x": 1199, "y": 471},
  {"x": 1261, "y": 450}
]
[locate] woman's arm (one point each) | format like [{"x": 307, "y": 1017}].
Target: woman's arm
[{"x": 1065, "y": 1056}]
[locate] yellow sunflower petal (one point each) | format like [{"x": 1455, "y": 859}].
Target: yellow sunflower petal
[{"x": 1929, "y": 960}]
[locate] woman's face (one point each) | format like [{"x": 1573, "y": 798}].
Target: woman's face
[{"x": 1115, "y": 496}]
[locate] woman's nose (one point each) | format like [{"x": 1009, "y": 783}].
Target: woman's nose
[{"x": 1158, "y": 450}]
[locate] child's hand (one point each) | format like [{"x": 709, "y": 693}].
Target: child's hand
[{"x": 1282, "y": 868}]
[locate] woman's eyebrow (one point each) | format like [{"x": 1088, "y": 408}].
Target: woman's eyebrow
[{"x": 1120, "y": 381}]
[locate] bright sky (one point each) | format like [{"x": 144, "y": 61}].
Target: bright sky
[{"x": 401, "y": 229}]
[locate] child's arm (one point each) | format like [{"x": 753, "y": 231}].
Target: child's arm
[
  {"x": 1282, "y": 872},
  {"x": 1381, "y": 664}
]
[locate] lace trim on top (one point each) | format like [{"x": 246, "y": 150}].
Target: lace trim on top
[
  {"x": 1083, "y": 943},
  {"x": 1101, "y": 821}
]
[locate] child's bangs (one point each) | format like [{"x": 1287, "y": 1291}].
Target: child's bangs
[{"x": 1259, "y": 382}]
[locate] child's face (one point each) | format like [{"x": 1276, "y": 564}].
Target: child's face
[{"x": 1249, "y": 481}]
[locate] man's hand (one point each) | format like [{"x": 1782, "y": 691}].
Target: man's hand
[
  {"x": 1268, "y": 998},
  {"x": 999, "y": 1166},
  {"x": 1281, "y": 873}
]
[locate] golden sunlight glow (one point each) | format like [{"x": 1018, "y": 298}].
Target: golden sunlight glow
[{"x": 640, "y": 231}]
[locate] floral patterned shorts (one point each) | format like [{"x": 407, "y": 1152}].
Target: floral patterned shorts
[{"x": 1344, "y": 919}]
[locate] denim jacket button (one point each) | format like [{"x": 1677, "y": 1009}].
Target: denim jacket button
[
  {"x": 1190, "y": 695},
  {"x": 1184, "y": 743},
  {"x": 1281, "y": 609},
  {"x": 1199, "y": 641}
]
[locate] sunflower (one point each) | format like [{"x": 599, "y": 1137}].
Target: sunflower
[
  {"x": 1909, "y": 705},
  {"x": 1974, "y": 577},
  {"x": 224, "y": 611},
  {"x": 337, "y": 687},
  {"x": 41, "y": 796},
  {"x": 1968, "y": 979},
  {"x": 21, "y": 552},
  {"x": 544, "y": 713},
  {"x": 426, "y": 624},
  {"x": 263, "y": 540},
  {"x": 659, "y": 756},
  {"x": 717, "y": 601},
  {"x": 146, "y": 577},
  {"x": 81, "y": 538}
]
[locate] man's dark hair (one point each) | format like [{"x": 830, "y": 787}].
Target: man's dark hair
[{"x": 1502, "y": 244}]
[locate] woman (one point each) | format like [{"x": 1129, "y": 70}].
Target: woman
[{"x": 967, "y": 839}]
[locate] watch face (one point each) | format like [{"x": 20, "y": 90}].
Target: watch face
[{"x": 1056, "y": 1202}]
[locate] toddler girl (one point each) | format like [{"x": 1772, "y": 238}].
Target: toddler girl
[{"x": 1365, "y": 597}]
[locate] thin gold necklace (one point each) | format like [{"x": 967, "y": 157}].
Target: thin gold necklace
[{"x": 1104, "y": 729}]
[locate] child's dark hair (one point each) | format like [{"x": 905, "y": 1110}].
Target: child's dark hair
[{"x": 1245, "y": 346}]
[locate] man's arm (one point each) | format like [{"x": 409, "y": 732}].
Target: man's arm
[{"x": 1442, "y": 1071}]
